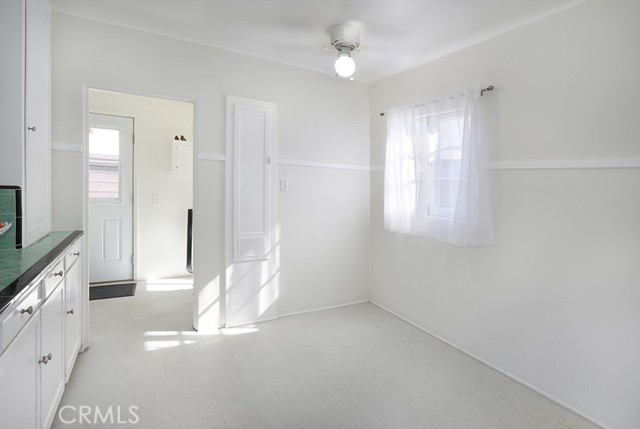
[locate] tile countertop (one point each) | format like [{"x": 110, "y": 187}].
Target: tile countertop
[{"x": 19, "y": 267}]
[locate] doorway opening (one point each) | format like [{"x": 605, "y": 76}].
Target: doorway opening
[{"x": 140, "y": 177}]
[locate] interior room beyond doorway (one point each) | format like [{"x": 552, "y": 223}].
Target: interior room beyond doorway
[{"x": 162, "y": 182}]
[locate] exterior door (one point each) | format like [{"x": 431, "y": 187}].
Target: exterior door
[{"x": 110, "y": 198}]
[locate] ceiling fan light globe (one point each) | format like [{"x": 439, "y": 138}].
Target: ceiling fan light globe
[{"x": 345, "y": 66}]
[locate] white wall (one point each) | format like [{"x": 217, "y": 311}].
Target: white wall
[
  {"x": 161, "y": 230},
  {"x": 320, "y": 119},
  {"x": 556, "y": 302}
]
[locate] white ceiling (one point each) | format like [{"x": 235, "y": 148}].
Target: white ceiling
[{"x": 398, "y": 34}]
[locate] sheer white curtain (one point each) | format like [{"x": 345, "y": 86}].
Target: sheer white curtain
[
  {"x": 435, "y": 185},
  {"x": 400, "y": 173}
]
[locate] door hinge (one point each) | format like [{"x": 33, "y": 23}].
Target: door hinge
[{"x": 133, "y": 138}]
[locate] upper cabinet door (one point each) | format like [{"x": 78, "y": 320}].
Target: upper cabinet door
[
  {"x": 12, "y": 92},
  {"x": 37, "y": 194}
]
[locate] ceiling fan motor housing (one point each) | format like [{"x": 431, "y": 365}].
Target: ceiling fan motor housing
[{"x": 345, "y": 37}]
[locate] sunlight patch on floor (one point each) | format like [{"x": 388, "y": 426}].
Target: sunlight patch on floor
[{"x": 168, "y": 285}]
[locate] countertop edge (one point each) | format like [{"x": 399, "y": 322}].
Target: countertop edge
[{"x": 25, "y": 279}]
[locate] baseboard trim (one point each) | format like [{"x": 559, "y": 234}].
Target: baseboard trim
[
  {"x": 295, "y": 313},
  {"x": 254, "y": 322},
  {"x": 279, "y": 316},
  {"x": 479, "y": 359}
]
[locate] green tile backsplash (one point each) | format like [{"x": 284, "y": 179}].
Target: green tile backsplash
[
  {"x": 9, "y": 212},
  {"x": 7, "y": 201}
]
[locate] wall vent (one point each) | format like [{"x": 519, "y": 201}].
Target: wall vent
[{"x": 250, "y": 248}]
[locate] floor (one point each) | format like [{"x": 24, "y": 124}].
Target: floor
[{"x": 351, "y": 367}]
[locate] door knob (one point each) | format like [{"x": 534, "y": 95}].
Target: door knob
[
  {"x": 27, "y": 310},
  {"x": 59, "y": 273},
  {"x": 70, "y": 311},
  {"x": 76, "y": 254},
  {"x": 32, "y": 128},
  {"x": 45, "y": 359}
]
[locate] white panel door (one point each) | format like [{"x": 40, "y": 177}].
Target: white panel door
[
  {"x": 252, "y": 260},
  {"x": 110, "y": 198}
]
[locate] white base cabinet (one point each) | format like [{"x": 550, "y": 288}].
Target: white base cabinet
[
  {"x": 73, "y": 306},
  {"x": 20, "y": 375},
  {"x": 51, "y": 359},
  {"x": 32, "y": 369},
  {"x": 40, "y": 337}
]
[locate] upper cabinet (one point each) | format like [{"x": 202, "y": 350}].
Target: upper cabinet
[{"x": 25, "y": 109}]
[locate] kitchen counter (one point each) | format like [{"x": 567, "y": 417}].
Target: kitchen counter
[{"x": 18, "y": 268}]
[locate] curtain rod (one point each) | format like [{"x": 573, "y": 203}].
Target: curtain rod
[{"x": 482, "y": 91}]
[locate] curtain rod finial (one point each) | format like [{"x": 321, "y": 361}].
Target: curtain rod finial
[{"x": 489, "y": 88}]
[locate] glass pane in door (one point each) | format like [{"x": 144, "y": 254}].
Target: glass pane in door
[{"x": 104, "y": 166}]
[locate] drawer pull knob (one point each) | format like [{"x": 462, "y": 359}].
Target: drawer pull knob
[
  {"x": 32, "y": 128},
  {"x": 70, "y": 311},
  {"x": 45, "y": 359},
  {"x": 27, "y": 310},
  {"x": 59, "y": 273},
  {"x": 76, "y": 253}
]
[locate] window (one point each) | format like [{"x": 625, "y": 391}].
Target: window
[
  {"x": 434, "y": 185},
  {"x": 439, "y": 167},
  {"x": 104, "y": 166}
]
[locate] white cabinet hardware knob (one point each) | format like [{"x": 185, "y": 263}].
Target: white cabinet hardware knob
[
  {"x": 45, "y": 359},
  {"x": 27, "y": 310},
  {"x": 59, "y": 273},
  {"x": 70, "y": 311},
  {"x": 32, "y": 128},
  {"x": 76, "y": 254}
]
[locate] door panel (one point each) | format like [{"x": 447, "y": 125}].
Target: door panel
[
  {"x": 19, "y": 379},
  {"x": 110, "y": 198},
  {"x": 73, "y": 309},
  {"x": 252, "y": 265},
  {"x": 37, "y": 192},
  {"x": 51, "y": 369}
]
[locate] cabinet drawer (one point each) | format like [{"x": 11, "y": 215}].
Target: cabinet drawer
[
  {"x": 17, "y": 316},
  {"x": 52, "y": 278},
  {"x": 71, "y": 255}
]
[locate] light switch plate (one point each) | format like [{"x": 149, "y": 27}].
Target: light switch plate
[{"x": 284, "y": 185}]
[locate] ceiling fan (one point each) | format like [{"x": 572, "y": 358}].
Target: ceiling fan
[{"x": 345, "y": 38}]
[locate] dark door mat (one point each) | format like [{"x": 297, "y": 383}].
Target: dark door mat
[{"x": 112, "y": 291}]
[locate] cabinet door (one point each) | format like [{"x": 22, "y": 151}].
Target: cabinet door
[
  {"x": 19, "y": 379},
  {"x": 12, "y": 92},
  {"x": 37, "y": 191},
  {"x": 73, "y": 317},
  {"x": 51, "y": 355}
]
